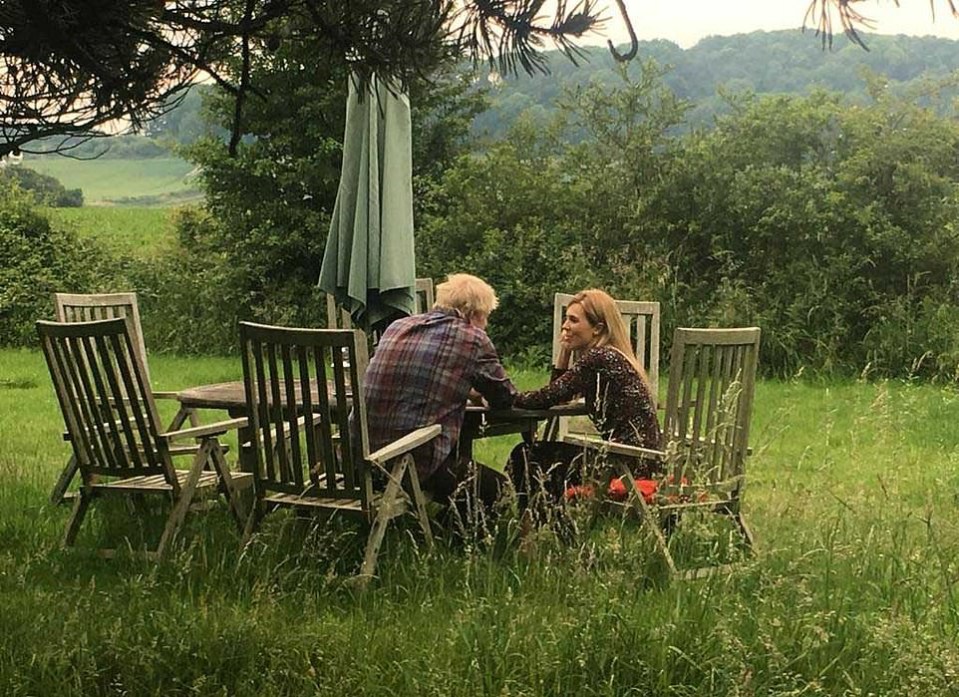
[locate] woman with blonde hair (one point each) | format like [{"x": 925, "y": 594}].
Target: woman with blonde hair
[{"x": 613, "y": 383}]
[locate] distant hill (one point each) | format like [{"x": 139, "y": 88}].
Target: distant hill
[
  {"x": 761, "y": 62},
  {"x": 124, "y": 182},
  {"x": 142, "y": 170}
]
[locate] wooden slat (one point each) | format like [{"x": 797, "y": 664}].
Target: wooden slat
[
  {"x": 732, "y": 371},
  {"x": 325, "y": 427},
  {"x": 342, "y": 412},
  {"x": 120, "y": 427},
  {"x": 700, "y": 377},
  {"x": 424, "y": 287},
  {"x": 265, "y": 427},
  {"x": 91, "y": 397},
  {"x": 72, "y": 307}
]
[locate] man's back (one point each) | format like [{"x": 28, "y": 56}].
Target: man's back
[{"x": 421, "y": 374}]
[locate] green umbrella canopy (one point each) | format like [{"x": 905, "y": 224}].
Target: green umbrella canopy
[{"x": 368, "y": 264}]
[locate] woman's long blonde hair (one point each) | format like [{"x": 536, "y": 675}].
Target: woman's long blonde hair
[{"x": 600, "y": 309}]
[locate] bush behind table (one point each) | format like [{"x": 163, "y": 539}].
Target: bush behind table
[{"x": 830, "y": 225}]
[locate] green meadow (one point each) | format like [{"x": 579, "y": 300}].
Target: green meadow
[
  {"x": 852, "y": 495},
  {"x": 160, "y": 181},
  {"x": 128, "y": 231}
]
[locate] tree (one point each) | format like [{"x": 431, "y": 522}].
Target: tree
[
  {"x": 822, "y": 14},
  {"x": 71, "y": 66},
  {"x": 270, "y": 204}
]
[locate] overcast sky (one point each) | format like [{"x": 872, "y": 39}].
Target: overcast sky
[{"x": 687, "y": 21}]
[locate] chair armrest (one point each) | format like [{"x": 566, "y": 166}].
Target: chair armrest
[
  {"x": 404, "y": 444},
  {"x": 207, "y": 429},
  {"x": 615, "y": 448}
]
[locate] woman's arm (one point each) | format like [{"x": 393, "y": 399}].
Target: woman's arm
[{"x": 564, "y": 387}]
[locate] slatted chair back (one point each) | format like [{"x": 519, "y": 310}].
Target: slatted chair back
[
  {"x": 712, "y": 379},
  {"x": 75, "y": 307},
  {"x": 301, "y": 387},
  {"x": 105, "y": 397},
  {"x": 339, "y": 318},
  {"x": 336, "y": 316},
  {"x": 642, "y": 326},
  {"x": 425, "y": 295}
]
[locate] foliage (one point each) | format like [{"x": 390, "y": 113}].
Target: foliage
[
  {"x": 46, "y": 190},
  {"x": 37, "y": 260},
  {"x": 185, "y": 292},
  {"x": 271, "y": 203},
  {"x": 761, "y": 63},
  {"x": 71, "y": 66},
  {"x": 830, "y": 227},
  {"x": 564, "y": 216}
]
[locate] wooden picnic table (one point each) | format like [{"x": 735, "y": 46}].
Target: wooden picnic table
[
  {"x": 479, "y": 422},
  {"x": 483, "y": 422}
]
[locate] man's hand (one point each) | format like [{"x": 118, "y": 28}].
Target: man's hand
[{"x": 476, "y": 398}]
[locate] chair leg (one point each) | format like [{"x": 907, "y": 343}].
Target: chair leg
[
  {"x": 182, "y": 505},
  {"x": 419, "y": 501},
  {"x": 651, "y": 521},
  {"x": 80, "y": 507},
  {"x": 257, "y": 511},
  {"x": 229, "y": 490},
  {"x": 386, "y": 512},
  {"x": 745, "y": 531},
  {"x": 63, "y": 481},
  {"x": 182, "y": 415}
]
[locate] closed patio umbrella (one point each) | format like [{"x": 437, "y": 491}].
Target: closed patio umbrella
[{"x": 368, "y": 263}]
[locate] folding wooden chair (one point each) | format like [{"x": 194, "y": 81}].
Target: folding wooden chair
[
  {"x": 113, "y": 426},
  {"x": 73, "y": 307},
  {"x": 301, "y": 387},
  {"x": 712, "y": 379}
]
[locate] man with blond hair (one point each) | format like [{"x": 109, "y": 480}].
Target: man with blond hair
[{"x": 425, "y": 369}]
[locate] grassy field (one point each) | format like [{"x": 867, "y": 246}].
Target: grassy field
[
  {"x": 162, "y": 181},
  {"x": 852, "y": 495},
  {"x": 128, "y": 231}
]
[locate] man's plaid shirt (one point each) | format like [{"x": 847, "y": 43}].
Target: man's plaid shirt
[{"x": 421, "y": 374}]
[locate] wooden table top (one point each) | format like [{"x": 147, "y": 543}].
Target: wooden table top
[
  {"x": 230, "y": 396},
  {"x": 577, "y": 408}
]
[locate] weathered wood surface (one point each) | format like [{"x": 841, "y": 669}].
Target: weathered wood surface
[
  {"x": 113, "y": 426},
  {"x": 321, "y": 463}
]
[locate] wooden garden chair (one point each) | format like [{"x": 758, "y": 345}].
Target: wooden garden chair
[
  {"x": 73, "y": 307},
  {"x": 301, "y": 387},
  {"x": 338, "y": 318},
  {"x": 425, "y": 295},
  {"x": 642, "y": 325},
  {"x": 111, "y": 418},
  {"x": 712, "y": 379}
]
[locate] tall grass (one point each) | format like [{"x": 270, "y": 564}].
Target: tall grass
[{"x": 851, "y": 494}]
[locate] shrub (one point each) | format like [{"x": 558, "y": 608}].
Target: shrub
[
  {"x": 46, "y": 189},
  {"x": 36, "y": 260}
]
